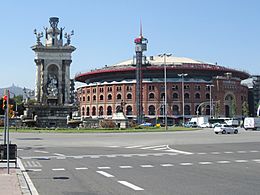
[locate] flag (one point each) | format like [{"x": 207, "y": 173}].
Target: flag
[{"x": 258, "y": 110}]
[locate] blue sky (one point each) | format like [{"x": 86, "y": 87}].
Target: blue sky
[{"x": 226, "y": 32}]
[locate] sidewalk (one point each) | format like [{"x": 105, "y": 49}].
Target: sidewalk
[
  {"x": 15, "y": 182},
  {"x": 9, "y": 183}
]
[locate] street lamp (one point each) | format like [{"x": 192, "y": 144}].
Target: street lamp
[
  {"x": 165, "y": 55},
  {"x": 182, "y": 75},
  {"x": 210, "y": 100}
]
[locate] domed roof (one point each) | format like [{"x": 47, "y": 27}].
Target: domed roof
[{"x": 157, "y": 60}]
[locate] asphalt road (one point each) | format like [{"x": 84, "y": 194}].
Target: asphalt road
[{"x": 195, "y": 162}]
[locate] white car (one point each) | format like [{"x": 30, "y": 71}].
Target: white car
[
  {"x": 224, "y": 128},
  {"x": 205, "y": 125}
]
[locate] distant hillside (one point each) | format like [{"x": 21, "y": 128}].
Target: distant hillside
[{"x": 14, "y": 90}]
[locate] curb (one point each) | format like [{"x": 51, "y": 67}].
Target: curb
[{"x": 27, "y": 187}]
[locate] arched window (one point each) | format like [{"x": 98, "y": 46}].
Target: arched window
[
  {"x": 88, "y": 98},
  {"x": 100, "y": 111},
  {"x": 151, "y": 95},
  {"x": 129, "y": 110},
  {"x": 151, "y": 110},
  {"x": 175, "y": 110},
  {"x": 186, "y": 96},
  {"x": 101, "y": 97},
  {"x": 129, "y": 96},
  {"x": 84, "y": 98},
  {"x": 109, "y": 110},
  {"x": 109, "y": 97},
  {"x": 207, "y": 96},
  {"x": 93, "y": 111},
  {"x": 118, "y": 97},
  {"x": 229, "y": 97},
  {"x": 94, "y": 97},
  {"x": 82, "y": 111},
  {"x": 87, "y": 113},
  {"x": 187, "y": 110},
  {"x": 175, "y": 96},
  {"x": 197, "y": 96}
]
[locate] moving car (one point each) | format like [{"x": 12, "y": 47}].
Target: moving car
[
  {"x": 205, "y": 125},
  {"x": 224, "y": 128}
]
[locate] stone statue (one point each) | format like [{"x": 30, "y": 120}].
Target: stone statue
[{"x": 52, "y": 86}]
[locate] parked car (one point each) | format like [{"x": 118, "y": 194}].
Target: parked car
[
  {"x": 224, "y": 128},
  {"x": 146, "y": 124},
  {"x": 205, "y": 125},
  {"x": 190, "y": 124}
]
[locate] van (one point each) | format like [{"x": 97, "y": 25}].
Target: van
[
  {"x": 190, "y": 124},
  {"x": 251, "y": 123}
]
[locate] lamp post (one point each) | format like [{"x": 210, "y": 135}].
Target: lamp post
[
  {"x": 165, "y": 55},
  {"x": 210, "y": 100},
  {"x": 182, "y": 75}
]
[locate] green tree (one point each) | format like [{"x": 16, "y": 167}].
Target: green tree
[
  {"x": 233, "y": 108},
  {"x": 245, "y": 109},
  {"x": 217, "y": 109}
]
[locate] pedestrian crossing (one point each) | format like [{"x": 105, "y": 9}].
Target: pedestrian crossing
[{"x": 32, "y": 163}]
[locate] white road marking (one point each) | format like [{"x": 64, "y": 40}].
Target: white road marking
[
  {"x": 127, "y": 155},
  {"x": 241, "y": 152},
  {"x": 81, "y": 168},
  {"x": 201, "y": 153},
  {"x": 146, "y": 166},
  {"x": 166, "y": 165},
  {"x": 105, "y": 174},
  {"x": 177, "y": 151},
  {"x": 153, "y": 147},
  {"x": 256, "y": 160},
  {"x": 94, "y": 156},
  {"x": 215, "y": 152},
  {"x": 58, "y": 154},
  {"x": 61, "y": 158},
  {"x": 110, "y": 156},
  {"x": 138, "y": 146},
  {"x": 36, "y": 164},
  {"x": 40, "y": 151},
  {"x": 104, "y": 167},
  {"x": 186, "y": 164},
  {"x": 34, "y": 170},
  {"x": 19, "y": 149},
  {"x": 253, "y": 151},
  {"x": 162, "y": 148},
  {"x": 132, "y": 186},
  {"x": 241, "y": 161},
  {"x": 113, "y": 146},
  {"x": 223, "y": 162},
  {"x": 205, "y": 163},
  {"x": 27, "y": 178},
  {"x": 29, "y": 164},
  {"x": 125, "y": 167},
  {"x": 59, "y": 169},
  {"x": 78, "y": 157},
  {"x": 228, "y": 152},
  {"x": 142, "y": 155}
]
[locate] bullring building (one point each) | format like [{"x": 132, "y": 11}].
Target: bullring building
[{"x": 191, "y": 87}]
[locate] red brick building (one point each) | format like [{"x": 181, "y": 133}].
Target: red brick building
[{"x": 108, "y": 87}]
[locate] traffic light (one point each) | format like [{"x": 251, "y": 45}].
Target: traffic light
[{"x": 5, "y": 102}]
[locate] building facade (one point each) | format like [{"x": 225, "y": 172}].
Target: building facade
[{"x": 206, "y": 84}]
